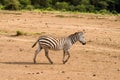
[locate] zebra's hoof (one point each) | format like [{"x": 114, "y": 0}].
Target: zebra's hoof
[
  {"x": 64, "y": 62},
  {"x": 34, "y": 62},
  {"x": 51, "y": 62}
]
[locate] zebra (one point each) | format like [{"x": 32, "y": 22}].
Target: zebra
[{"x": 51, "y": 43}]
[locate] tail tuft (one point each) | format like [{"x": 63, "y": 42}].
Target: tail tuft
[{"x": 34, "y": 44}]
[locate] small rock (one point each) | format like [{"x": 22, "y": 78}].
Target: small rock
[
  {"x": 41, "y": 72},
  {"x": 10, "y": 40},
  {"x": 78, "y": 73},
  {"x": 28, "y": 73},
  {"x": 94, "y": 75},
  {"x": 26, "y": 66},
  {"x": 86, "y": 51},
  {"x": 110, "y": 39},
  {"x": 62, "y": 71},
  {"x": 33, "y": 73},
  {"x": 18, "y": 19},
  {"x": 68, "y": 77},
  {"x": 83, "y": 30},
  {"x": 20, "y": 49},
  {"x": 118, "y": 69},
  {"x": 37, "y": 73}
]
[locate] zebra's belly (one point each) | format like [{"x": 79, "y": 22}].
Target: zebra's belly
[
  {"x": 56, "y": 49},
  {"x": 52, "y": 48}
]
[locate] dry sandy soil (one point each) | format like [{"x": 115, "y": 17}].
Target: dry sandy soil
[{"x": 99, "y": 59}]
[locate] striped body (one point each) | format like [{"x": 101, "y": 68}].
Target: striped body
[
  {"x": 48, "y": 42},
  {"x": 51, "y": 43}
]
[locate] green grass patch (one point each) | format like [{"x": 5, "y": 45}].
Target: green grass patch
[
  {"x": 10, "y": 12},
  {"x": 3, "y": 32},
  {"x": 61, "y": 16},
  {"x": 39, "y": 33},
  {"x": 22, "y": 33}
]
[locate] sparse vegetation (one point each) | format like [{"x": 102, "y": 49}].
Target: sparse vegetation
[
  {"x": 22, "y": 33},
  {"x": 67, "y": 16},
  {"x": 95, "y": 6},
  {"x": 3, "y": 32},
  {"x": 11, "y": 12},
  {"x": 61, "y": 16},
  {"x": 19, "y": 33},
  {"x": 39, "y": 33}
]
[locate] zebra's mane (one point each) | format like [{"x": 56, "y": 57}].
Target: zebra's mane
[
  {"x": 76, "y": 33},
  {"x": 74, "y": 37}
]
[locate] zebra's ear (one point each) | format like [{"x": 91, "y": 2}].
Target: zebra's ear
[
  {"x": 76, "y": 32},
  {"x": 84, "y": 31}
]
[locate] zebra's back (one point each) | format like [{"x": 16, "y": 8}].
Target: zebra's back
[{"x": 52, "y": 43}]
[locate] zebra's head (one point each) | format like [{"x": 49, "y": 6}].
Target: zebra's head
[{"x": 81, "y": 38}]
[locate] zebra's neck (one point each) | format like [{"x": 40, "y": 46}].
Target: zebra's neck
[{"x": 73, "y": 38}]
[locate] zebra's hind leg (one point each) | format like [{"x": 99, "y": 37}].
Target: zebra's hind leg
[
  {"x": 63, "y": 56},
  {"x": 64, "y": 61},
  {"x": 47, "y": 55},
  {"x": 36, "y": 53}
]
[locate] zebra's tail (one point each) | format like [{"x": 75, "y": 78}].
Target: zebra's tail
[{"x": 34, "y": 44}]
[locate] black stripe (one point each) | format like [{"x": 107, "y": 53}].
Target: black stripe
[
  {"x": 54, "y": 40},
  {"x": 48, "y": 42},
  {"x": 73, "y": 39}
]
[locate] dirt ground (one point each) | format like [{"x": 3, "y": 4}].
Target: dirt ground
[{"x": 99, "y": 59}]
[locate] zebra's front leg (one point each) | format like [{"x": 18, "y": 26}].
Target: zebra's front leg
[
  {"x": 64, "y": 53},
  {"x": 36, "y": 53},
  {"x": 47, "y": 55}
]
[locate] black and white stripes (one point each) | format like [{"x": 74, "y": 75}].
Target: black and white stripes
[
  {"x": 52, "y": 43},
  {"x": 47, "y": 41}
]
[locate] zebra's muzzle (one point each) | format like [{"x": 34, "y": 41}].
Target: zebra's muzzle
[{"x": 84, "y": 43}]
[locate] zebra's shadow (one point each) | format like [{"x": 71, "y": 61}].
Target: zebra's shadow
[{"x": 29, "y": 63}]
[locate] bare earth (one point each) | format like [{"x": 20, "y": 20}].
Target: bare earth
[{"x": 99, "y": 59}]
